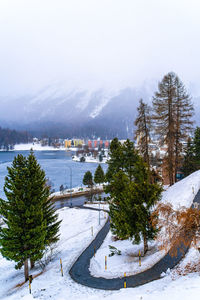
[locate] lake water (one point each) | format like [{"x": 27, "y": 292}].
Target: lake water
[{"x": 56, "y": 166}]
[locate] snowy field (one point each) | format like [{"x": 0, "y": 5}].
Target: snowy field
[{"x": 76, "y": 235}]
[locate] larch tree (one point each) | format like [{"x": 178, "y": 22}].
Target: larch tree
[
  {"x": 172, "y": 115},
  {"x": 183, "y": 121},
  {"x": 142, "y": 132}
]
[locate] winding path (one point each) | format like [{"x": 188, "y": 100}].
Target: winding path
[{"x": 81, "y": 274}]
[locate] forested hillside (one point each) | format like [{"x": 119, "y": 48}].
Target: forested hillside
[{"x": 8, "y": 138}]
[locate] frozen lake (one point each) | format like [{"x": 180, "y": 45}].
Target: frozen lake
[{"x": 55, "y": 164}]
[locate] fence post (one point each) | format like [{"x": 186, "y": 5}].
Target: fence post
[
  {"x": 92, "y": 230},
  {"x": 30, "y": 278},
  {"x": 105, "y": 262},
  {"x": 61, "y": 268},
  {"x": 125, "y": 280},
  {"x": 139, "y": 258}
]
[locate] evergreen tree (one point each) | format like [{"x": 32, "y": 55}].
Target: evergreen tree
[
  {"x": 28, "y": 213},
  {"x": 40, "y": 193},
  {"x": 115, "y": 161},
  {"x": 99, "y": 176},
  {"x": 132, "y": 196},
  {"x": 142, "y": 133},
  {"x": 172, "y": 112},
  {"x": 196, "y": 144},
  {"x": 24, "y": 235},
  {"x": 87, "y": 179},
  {"x": 189, "y": 162},
  {"x": 122, "y": 157}
]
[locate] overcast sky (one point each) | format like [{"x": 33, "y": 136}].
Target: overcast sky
[{"x": 94, "y": 44}]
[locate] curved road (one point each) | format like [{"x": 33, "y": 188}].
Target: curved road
[{"x": 80, "y": 269}]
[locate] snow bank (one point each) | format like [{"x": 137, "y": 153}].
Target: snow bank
[
  {"x": 183, "y": 192},
  {"x": 76, "y": 234},
  {"x": 35, "y": 147},
  {"x": 126, "y": 262},
  {"x": 180, "y": 194}
]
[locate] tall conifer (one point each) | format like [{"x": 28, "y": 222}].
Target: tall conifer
[
  {"x": 24, "y": 234},
  {"x": 31, "y": 223},
  {"x": 172, "y": 115},
  {"x": 183, "y": 121},
  {"x": 142, "y": 133},
  {"x": 132, "y": 196}
]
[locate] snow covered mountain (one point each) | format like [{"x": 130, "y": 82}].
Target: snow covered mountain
[{"x": 55, "y": 111}]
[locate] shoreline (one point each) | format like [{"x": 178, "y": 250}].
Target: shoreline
[{"x": 59, "y": 196}]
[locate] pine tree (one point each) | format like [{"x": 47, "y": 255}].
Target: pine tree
[
  {"x": 172, "y": 113},
  {"x": 196, "y": 144},
  {"x": 41, "y": 193},
  {"x": 189, "y": 163},
  {"x": 115, "y": 161},
  {"x": 142, "y": 133},
  {"x": 132, "y": 196},
  {"x": 99, "y": 176},
  {"x": 24, "y": 235},
  {"x": 87, "y": 179},
  {"x": 28, "y": 213}
]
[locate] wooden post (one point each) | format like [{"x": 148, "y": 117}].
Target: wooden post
[
  {"x": 139, "y": 258},
  {"x": 61, "y": 268},
  {"x": 92, "y": 230},
  {"x": 26, "y": 270},
  {"x": 30, "y": 278},
  {"x": 94, "y": 251},
  {"x": 125, "y": 280},
  {"x": 105, "y": 262}
]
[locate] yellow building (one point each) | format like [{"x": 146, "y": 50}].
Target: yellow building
[{"x": 68, "y": 143}]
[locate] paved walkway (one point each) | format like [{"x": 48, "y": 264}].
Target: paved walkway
[{"x": 80, "y": 269}]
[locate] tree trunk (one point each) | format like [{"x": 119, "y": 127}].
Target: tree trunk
[
  {"x": 26, "y": 274},
  {"x": 32, "y": 264},
  {"x": 145, "y": 243}
]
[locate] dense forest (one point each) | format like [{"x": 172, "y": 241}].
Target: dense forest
[{"x": 8, "y": 138}]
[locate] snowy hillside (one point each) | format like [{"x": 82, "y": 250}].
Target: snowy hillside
[
  {"x": 75, "y": 236},
  {"x": 79, "y": 112}
]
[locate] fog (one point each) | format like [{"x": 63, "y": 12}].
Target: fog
[{"x": 93, "y": 44}]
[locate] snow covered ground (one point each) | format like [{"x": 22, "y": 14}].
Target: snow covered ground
[
  {"x": 35, "y": 147},
  {"x": 180, "y": 194},
  {"x": 77, "y": 190},
  {"x": 97, "y": 205},
  {"x": 39, "y": 147},
  {"x": 75, "y": 236},
  {"x": 90, "y": 159},
  {"x": 127, "y": 262}
]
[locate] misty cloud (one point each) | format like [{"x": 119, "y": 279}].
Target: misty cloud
[{"x": 96, "y": 44}]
